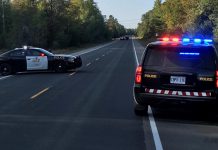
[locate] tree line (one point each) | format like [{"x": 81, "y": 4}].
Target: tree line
[
  {"x": 54, "y": 23},
  {"x": 191, "y": 17}
]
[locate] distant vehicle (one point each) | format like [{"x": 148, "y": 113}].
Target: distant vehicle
[
  {"x": 177, "y": 71},
  {"x": 124, "y": 38},
  {"x": 36, "y": 59}
]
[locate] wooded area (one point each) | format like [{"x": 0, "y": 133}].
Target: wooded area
[
  {"x": 54, "y": 23},
  {"x": 193, "y": 17}
]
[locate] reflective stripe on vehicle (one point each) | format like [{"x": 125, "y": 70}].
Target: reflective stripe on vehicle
[{"x": 178, "y": 93}]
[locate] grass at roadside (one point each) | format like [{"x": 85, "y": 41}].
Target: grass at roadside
[{"x": 68, "y": 50}]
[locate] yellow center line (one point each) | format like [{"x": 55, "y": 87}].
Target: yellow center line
[{"x": 40, "y": 93}]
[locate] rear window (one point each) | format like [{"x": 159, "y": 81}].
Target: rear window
[{"x": 202, "y": 58}]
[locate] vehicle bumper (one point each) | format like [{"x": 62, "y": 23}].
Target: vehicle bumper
[
  {"x": 76, "y": 64},
  {"x": 159, "y": 99}
]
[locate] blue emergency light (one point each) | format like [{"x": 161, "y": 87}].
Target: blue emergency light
[
  {"x": 197, "y": 41},
  {"x": 189, "y": 54},
  {"x": 208, "y": 41},
  {"x": 185, "y": 40}
]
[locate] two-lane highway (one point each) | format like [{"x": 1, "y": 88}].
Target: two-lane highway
[{"x": 91, "y": 108}]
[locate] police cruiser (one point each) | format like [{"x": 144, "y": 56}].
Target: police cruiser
[
  {"x": 36, "y": 59},
  {"x": 174, "y": 70}
]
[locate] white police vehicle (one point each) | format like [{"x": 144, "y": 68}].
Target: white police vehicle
[{"x": 36, "y": 59}]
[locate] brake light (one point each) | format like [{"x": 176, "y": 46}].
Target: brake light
[
  {"x": 138, "y": 76},
  {"x": 217, "y": 79}
]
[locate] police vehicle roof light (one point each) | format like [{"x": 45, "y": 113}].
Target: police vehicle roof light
[
  {"x": 175, "y": 39},
  {"x": 166, "y": 39},
  {"x": 186, "y": 40},
  {"x": 208, "y": 41},
  {"x": 25, "y": 47},
  {"x": 197, "y": 41}
]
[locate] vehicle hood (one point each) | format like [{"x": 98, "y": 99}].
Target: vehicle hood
[{"x": 64, "y": 55}]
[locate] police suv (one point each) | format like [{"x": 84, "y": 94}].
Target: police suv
[
  {"x": 174, "y": 70},
  {"x": 36, "y": 59}
]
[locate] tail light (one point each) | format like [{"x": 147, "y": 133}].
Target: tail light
[
  {"x": 217, "y": 79},
  {"x": 138, "y": 76}
]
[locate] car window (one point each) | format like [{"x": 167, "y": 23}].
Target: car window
[
  {"x": 17, "y": 53},
  {"x": 33, "y": 52},
  {"x": 181, "y": 57}
]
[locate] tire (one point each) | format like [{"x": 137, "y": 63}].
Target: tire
[
  {"x": 60, "y": 67},
  {"x": 140, "y": 110},
  {"x": 5, "y": 69}
]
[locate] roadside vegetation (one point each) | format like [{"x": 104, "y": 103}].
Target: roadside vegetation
[
  {"x": 55, "y": 23},
  {"x": 191, "y": 17}
]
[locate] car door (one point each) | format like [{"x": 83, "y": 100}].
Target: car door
[
  {"x": 17, "y": 59},
  {"x": 36, "y": 60}
]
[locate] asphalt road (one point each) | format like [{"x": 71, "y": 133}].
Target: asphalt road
[
  {"x": 89, "y": 109},
  {"x": 92, "y": 109}
]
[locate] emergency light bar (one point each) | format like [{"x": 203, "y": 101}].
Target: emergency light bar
[{"x": 187, "y": 40}]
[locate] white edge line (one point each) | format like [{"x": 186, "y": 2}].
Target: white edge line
[
  {"x": 2, "y": 78},
  {"x": 72, "y": 74},
  {"x": 88, "y": 64},
  {"x": 136, "y": 58},
  {"x": 82, "y": 53},
  {"x": 154, "y": 130}
]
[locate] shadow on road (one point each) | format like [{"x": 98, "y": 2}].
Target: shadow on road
[{"x": 186, "y": 114}]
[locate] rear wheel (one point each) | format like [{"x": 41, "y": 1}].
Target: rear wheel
[
  {"x": 140, "y": 110},
  {"x": 5, "y": 69},
  {"x": 60, "y": 67}
]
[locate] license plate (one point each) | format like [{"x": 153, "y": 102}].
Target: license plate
[{"x": 177, "y": 80}]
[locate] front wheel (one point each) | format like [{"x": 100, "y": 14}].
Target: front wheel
[
  {"x": 5, "y": 69},
  {"x": 140, "y": 110}
]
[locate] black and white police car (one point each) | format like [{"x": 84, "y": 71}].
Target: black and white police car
[
  {"x": 174, "y": 70},
  {"x": 36, "y": 59}
]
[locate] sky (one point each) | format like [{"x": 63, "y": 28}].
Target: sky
[{"x": 128, "y": 12}]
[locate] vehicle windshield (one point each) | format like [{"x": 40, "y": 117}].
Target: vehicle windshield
[{"x": 200, "y": 58}]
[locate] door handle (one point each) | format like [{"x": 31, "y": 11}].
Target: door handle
[{"x": 28, "y": 59}]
